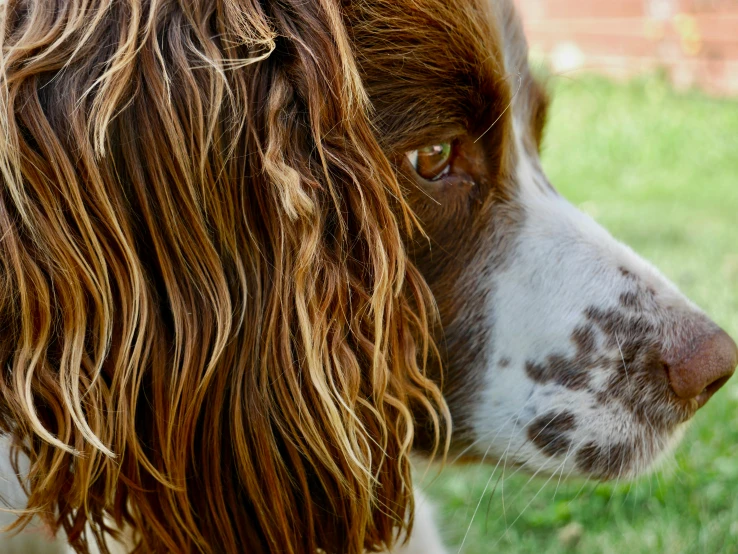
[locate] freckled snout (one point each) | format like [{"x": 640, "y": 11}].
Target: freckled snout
[{"x": 711, "y": 361}]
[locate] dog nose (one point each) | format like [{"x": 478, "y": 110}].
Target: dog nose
[{"x": 710, "y": 363}]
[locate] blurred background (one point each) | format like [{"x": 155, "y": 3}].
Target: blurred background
[
  {"x": 643, "y": 136},
  {"x": 694, "y": 42}
]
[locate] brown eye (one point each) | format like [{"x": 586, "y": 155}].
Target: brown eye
[{"x": 432, "y": 162}]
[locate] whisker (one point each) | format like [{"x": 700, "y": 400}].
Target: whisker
[
  {"x": 586, "y": 482},
  {"x": 481, "y": 497},
  {"x": 487, "y": 434},
  {"x": 553, "y": 418},
  {"x": 563, "y": 465},
  {"x": 625, "y": 366},
  {"x": 504, "y": 456},
  {"x": 507, "y": 528},
  {"x": 507, "y": 108}
]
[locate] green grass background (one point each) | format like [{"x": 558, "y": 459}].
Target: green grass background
[{"x": 659, "y": 169}]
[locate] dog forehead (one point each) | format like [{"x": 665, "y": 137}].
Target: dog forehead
[{"x": 436, "y": 62}]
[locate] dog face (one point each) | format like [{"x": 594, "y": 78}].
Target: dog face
[{"x": 563, "y": 349}]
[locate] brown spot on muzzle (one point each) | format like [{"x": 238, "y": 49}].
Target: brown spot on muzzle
[
  {"x": 630, "y": 300},
  {"x": 638, "y": 380},
  {"x": 571, "y": 372},
  {"x": 585, "y": 340},
  {"x": 625, "y": 344},
  {"x": 604, "y": 462},
  {"x": 657, "y": 392},
  {"x": 550, "y": 432},
  {"x": 568, "y": 372}
]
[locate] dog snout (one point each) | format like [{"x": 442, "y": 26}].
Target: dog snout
[{"x": 709, "y": 363}]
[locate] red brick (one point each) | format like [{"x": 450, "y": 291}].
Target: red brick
[{"x": 696, "y": 41}]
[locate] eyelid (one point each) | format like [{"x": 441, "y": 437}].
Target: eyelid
[{"x": 443, "y": 173}]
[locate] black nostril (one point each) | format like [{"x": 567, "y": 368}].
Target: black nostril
[
  {"x": 711, "y": 389},
  {"x": 717, "y": 385}
]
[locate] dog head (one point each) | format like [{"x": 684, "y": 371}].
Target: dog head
[
  {"x": 563, "y": 349},
  {"x": 227, "y": 227}
]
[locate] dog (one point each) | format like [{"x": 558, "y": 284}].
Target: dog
[{"x": 256, "y": 253}]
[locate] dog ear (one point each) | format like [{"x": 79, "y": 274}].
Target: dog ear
[{"x": 211, "y": 332}]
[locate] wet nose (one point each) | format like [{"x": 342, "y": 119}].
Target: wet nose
[{"x": 710, "y": 363}]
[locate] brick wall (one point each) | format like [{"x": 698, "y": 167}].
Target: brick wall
[{"x": 695, "y": 41}]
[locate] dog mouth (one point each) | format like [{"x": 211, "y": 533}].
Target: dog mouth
[
  {"x": 608, "y": 403},
  {"x": 616, "y": 425},
  {"x": 606, "y": 453}
]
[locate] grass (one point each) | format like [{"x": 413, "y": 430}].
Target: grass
[{"x": 659, "y": 169}]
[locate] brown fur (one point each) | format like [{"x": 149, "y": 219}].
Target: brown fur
[
  {"x": 433, "y": 70},
  {"x": 203, "y": 284}
]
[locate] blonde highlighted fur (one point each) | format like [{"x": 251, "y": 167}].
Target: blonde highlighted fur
[{"x": 203, "y": 285}]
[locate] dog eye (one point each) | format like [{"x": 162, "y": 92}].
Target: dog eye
[{"x": 432, "y": 162}]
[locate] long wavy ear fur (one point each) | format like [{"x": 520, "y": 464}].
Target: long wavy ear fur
[{"x": 210, "y": 331}]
